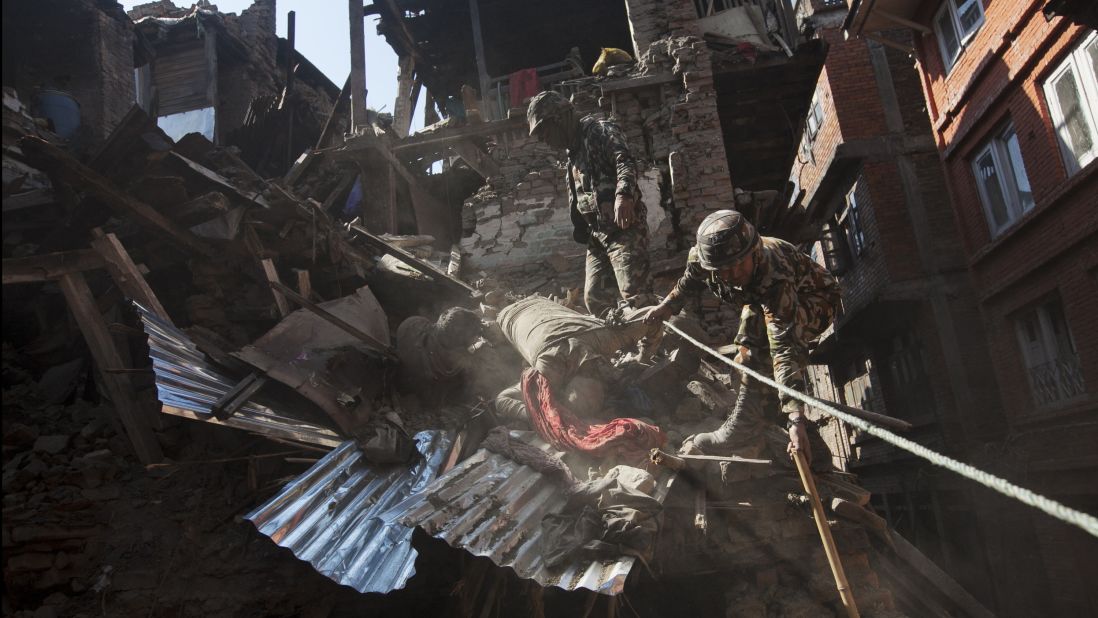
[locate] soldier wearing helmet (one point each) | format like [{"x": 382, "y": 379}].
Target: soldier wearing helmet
[
  {"x": 607, "y": 213},
  {"x": 784, "y": 294}
]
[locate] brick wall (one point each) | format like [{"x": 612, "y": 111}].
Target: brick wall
[{"x": 1048, "y": 252}]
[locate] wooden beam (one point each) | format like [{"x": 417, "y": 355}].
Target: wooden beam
[
  {"x": 48, "y": 266},
  {"x": 119, "y": 389},
  {"x": 478, "y": 48},
  {"x": 334, "y": 319},
  {"x": 426, "y": 142},
  {"x": 29, "y": 199},
  {"x": 85, "y": 179},
  {"x": 304, "y": 283},
  {"x": 403, "y": 106},
  {"x": 896, "y": 19},
  {"x": 272, "y": 277},
  {"x": 333, "y": 116},
  {"x": 477, "y": 159},
  {"x": 288, "y": 100},
  {"x": 358, "y": 64},
  {"x": 207, "y": 173},
  {"x": 126, "y": 274},
  {"x": 237, "y": 396},
  {"x": 411, "y": 260}
]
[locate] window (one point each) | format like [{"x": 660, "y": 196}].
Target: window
[
  {"x": 815, "y": 117},
  {"x": 1072, "y": 95},
  {"x": 850, "y": 220},
  {"x": 1048, "y": 350},
  {"x": 911, "y": 395},
  {"x": 1001, "y": 180},
  {"x": 954, "y": 25}
]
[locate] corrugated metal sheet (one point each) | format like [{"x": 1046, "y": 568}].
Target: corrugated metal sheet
[
  {"x": 492, "y": 506},
  {"x": 330, "y": 516},
  {"x": 187, "y": 385}
]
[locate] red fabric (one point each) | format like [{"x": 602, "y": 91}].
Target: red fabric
[
  {"x": 523, "y": 85},
  {"x": 565, "y": 431}
]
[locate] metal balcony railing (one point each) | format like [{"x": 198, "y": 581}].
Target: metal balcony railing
[{"x": 1057, "y": 380}]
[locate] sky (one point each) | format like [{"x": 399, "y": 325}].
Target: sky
[{"x": 322, "y": 35}]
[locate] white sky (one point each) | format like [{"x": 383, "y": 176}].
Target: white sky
[{"x": 323, "y": 36}]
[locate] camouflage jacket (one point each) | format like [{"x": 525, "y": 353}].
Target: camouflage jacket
[
  {"x": 600, "y": 167},
  {"x": 797, "y": 296}
]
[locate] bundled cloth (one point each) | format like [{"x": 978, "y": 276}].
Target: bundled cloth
[{"x": 561, "y": 428}]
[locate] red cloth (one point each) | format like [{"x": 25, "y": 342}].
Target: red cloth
[
  {"x": 523, "y": 85},
  {"x": 565, "y": 431}
]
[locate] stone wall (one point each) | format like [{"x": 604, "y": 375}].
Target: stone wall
[{"x": 518, "y": 229}]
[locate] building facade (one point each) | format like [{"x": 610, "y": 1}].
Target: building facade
[
  {"x": 909, "y": 342},
  {"x": 1012, "y": 100}
]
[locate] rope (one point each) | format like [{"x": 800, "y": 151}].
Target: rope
[{"x": 1066, "y": 514}]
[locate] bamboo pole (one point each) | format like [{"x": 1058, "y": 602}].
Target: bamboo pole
[{"x": 832, "y": 552}]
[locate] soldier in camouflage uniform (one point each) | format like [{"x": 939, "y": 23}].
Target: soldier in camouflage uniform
[
  {"x": 607, "y": 212},
  {"x": 788, "y": 300}
]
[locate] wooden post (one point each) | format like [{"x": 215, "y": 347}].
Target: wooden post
[
  {"x": 272, "y": 276},
  {"x": 358, "y": 64},
  {"x": 304, "y": 284},
  {"x": 404, "y": 106},
  {"x": 478, "y": 48},
  {"x": 126, "y": 274},
  {"x": 98, "y": 337},
  {"x": 333, "y": 116},
  {"x": 832, "y": 552},
  {"x": 289, "y": 99}
]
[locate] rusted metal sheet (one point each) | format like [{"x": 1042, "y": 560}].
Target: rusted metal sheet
[{"x": 330, "y": 515}]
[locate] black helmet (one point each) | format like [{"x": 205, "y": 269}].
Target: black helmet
[{"x": 725, "y": 237}]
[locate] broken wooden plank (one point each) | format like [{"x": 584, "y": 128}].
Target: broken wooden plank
[
  {"x": 333, "y": 319},
  {"x": 304, "y": 284},
  {"x": 444, "y": 138},
  {"x": 28, "y": 199},
  {"x": 237, "y": 396},
  {"x": 411, "y": 260},
  {"x": 333, "y": 118},
  {"x": 272, "y": 276},
  {"x": 101, "y": 344},
  {"x": 477, "y": 159},
  {"x": 932, "y": 572},
  {"x": 250, "y": 196},
  {"x": 88, "y": 180},
  {"x": 126, "y": 274},
  {"x": 39, "y": 268}
]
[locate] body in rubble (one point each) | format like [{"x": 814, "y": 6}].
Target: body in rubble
[
  {"x": 434, "y": 355},
  {"x": 607, "y": 212},
  {"x": 788, "y": 300}
]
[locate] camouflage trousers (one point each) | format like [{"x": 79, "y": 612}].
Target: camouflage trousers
[
  {"x": 781, "y": 353},
  {"x": 617, "y": 268}
]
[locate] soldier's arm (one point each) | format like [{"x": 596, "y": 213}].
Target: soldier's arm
[
  {"x": 616, "y": 149},
  {"x": 691, "y": 282},
  {"x": 788, "y": 348}
]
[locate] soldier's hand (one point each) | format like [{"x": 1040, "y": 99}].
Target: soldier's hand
[
  {"x": 657, "y": 314},
  {"x": 623, "y": 211},
  {"x": 798, "y": 441}
]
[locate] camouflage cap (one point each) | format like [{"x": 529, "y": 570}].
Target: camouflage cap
[
  {"x": 725, "y": 237},
  {"x": 547, "y": 105}
]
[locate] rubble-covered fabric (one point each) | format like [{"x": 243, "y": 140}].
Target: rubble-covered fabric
[
  {"x": 608, "y": 516},
  {"x": 560, "y": 427},
  {"x": 558, "y": 341}
]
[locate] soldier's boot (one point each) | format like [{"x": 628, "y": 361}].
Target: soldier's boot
[{"x": 740, "y": 434}]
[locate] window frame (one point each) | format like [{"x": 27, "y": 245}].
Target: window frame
[
  {"x": 1087, "y": 85},
  {"x": 950, "y": 59},
  {"x": 850, "y": 222},
  {"x": 1016, "y": 207},
  {"x": 1053, "y": 352}
]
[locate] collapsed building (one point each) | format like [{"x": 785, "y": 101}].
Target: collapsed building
[{"x": 214, "y": 181}]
